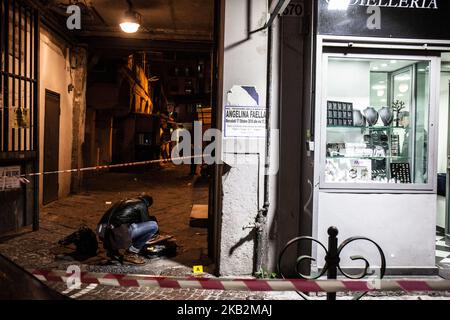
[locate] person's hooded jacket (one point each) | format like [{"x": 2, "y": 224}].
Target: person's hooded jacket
[
  {"x": 112, "y": 228},
  {"x": 126, "y": 212}
]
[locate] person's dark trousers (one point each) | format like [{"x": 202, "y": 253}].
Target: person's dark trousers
[{"x": 141, "y": 233}]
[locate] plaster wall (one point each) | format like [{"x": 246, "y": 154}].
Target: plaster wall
[
  {"x": 245, "y": 64},
  {"x": 55, "y": 75}
]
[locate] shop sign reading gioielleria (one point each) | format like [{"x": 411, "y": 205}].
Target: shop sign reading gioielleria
[
  {"x": 408, "y": 4},
  {"x": 401, "y": 19}
]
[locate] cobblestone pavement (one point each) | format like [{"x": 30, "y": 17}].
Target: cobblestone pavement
[
  {"x": 98, "y": 292},
  {"x": 174, "y": 194},
  {"x": 123, "y": 293}
]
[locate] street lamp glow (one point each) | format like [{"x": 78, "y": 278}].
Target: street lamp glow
[
  {"x": 131, "y": 21},
  {"x": 129, "y": 27}
]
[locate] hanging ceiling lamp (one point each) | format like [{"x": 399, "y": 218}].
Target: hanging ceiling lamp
[{"x": 131, "y": 20}]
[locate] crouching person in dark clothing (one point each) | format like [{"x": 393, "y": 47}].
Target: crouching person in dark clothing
[{"x": 128, "y": 226}]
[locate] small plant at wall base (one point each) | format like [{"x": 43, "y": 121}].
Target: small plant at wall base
[
  {"x": 265, "y": 274},
  {"x": 397, "y": 107}
]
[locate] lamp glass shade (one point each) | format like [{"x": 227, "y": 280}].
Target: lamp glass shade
[
  {"x": 130, "y": 22},
  {"x": 129, "y": 27}
]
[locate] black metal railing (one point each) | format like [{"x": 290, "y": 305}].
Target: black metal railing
[
  {"x": 333, "y": 259},
  {"x": 19, "y": 48}
]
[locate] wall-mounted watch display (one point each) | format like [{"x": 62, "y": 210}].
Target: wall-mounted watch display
[
  {"x": 339, "y": 113},
  {"x": 401, "y": 172}
]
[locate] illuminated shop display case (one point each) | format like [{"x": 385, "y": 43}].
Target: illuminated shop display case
[{"x": 377, "y": 126}]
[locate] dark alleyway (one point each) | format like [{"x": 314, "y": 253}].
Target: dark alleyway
[{"x": 174, "y": 193}]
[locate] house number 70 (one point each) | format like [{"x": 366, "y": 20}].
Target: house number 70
[{"x": 294, "y": 10}]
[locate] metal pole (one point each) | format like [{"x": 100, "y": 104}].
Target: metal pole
[
  {"x": 261, "y": 219},
  {"x": 332, "y": 258},
  {"x": 19, "y": 91},
  {"x": 217, "y": 116},
  {"x": 6, "y": 81},
  {"x": 2, "y": 67},
  {"x": 25, "y": 74},
  {"x": 13, "y": 79},
  {"x": 35, "y": 130}
]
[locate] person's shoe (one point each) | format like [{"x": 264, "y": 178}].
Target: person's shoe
[
  {"x": 133, "y": 258},
  {"x": 154, "y": 238},
  {"x": 113, "y": 255},
  {"x": 158, "y": 238}
]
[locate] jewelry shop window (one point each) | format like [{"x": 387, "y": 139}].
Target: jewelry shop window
[{"x": 376, "y": 122}]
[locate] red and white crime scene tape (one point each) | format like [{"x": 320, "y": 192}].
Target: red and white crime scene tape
[
  {"x": 110, "y": 166},
  {"x": 128, "y": 280},
  {"x": 23, "y": 178}
]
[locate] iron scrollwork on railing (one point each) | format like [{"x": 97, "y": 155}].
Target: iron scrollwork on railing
[{"x": 332, "y": 259}]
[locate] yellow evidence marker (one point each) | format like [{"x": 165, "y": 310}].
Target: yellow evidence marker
[{"x": 198, "y": 269}]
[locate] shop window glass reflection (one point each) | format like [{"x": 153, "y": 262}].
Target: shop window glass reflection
[{"x": 377, "y": 115}]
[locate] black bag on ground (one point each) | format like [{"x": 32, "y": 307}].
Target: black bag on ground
[
  {"x": 85, "y": 241},
  {"x": 164, "y": 249}
]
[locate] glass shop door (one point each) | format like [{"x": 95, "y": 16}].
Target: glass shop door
[{"x": 411, "y": 86}]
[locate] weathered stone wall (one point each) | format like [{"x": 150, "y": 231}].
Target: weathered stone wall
[
  {"x": 245, "y": 64},
  {"x": 79, "y": 74},
  {"x": 239, "y": 209}
]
